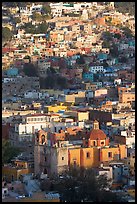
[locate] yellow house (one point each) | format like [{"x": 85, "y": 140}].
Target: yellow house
[
  {"x": 13, "y": 172},
  {"x": 113, "y": 153},
  {"x": 131, "y": 192},
  {"x": 36, "y": 105},
  {"x": 55, "y": 108}
]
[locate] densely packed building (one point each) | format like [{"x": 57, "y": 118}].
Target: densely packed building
[{"x": 68, "y": 93}]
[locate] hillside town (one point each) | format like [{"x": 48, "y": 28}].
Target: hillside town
[{"x": 68, "y": 102}]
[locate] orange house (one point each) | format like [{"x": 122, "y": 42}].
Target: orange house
[{"x": 12, "y": 173}]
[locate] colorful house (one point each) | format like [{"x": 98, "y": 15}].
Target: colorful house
[
  {"x": 88, "y": 76},
  {"x": 12, "y": 72}
]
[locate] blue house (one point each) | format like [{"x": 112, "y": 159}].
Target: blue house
[
  {"x": 109, "y": 69},
  {"x": 12, "y": 72},
  {"x": 88, "y": 76},
  {"x": 131, "y": 43},
  {"x": 102, "y": 56}
]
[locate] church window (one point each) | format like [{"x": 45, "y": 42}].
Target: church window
[
  {"x": 110, "y": 154},
  {"x": 43, "y": 139},
  {"x": 88, "y": 155}
]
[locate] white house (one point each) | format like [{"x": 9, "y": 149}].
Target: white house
[
  {"x": 130, "y": 137},
  {"x": 31, "y": 94},
  {"x": 96, "y": 68},
  {"x": 32, "y": 123}
]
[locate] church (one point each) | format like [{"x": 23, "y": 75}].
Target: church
[{"x": 53, "y": 160}]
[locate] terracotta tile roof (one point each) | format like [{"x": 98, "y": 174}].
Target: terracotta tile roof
[{"x": 97, "y": 134}]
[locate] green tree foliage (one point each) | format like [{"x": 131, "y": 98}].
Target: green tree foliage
[
  {"x": 46, "y": 17},
  {"x": 53, "y": 80},
  {"x": 105, "y": 64},
  {"x": 123, "y": 59},
  {"x": 29, "y": 28},
  {"x": 8, "y": 152},
  {"x": 36, "y": 17},
  {"x": 62, "y": 82},
  {"x": 73, "y": 14},
  {"x": 114, "y": 52},
  {"x": 127, "y": 32},
  {"x": 41, "y": 28},
  {"x": 107, "y": 36},
  {"x": 80, "y": 60},
  {"x": 82, "y": 184},
  {"x": 106, "y": 44},
  {"x": 6, "y": 34},
  {"x": 30, "y": 70},
  {"x": 125, "y": 7},
  {"x": 117, "y": 35},
  {"x": 46, "y": 9},
  {"x": 17, "y": 20}
]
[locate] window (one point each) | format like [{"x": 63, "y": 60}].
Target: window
[
  {"x": 88, "y": 155},
  {"x": 74, "y": 163},
  {"x": 62, "y": 158},
  {"x": 110, "y": 154},
  {"x": 43, "y": 139}
]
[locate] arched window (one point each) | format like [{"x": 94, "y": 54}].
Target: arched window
[
  {"x": 94, "y": 143},
  {"x": 102, "y": 143},
  {"x": 43, "y": 139}
]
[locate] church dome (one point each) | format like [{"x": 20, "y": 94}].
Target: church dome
[{"x": 96, "y": 133}]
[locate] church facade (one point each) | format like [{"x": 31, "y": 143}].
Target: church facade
[{"x": 53, "y": 160}]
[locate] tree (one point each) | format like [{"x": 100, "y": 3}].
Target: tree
[
  {"x": 127, "y": 32},
  {"x": 8, "y": 152},
  {"x": 114, "y": 50},
  {"x": 17, "y": 20},
  {"x": 62, "y": 82},
  {"x": 107, "y": 35},
  {"x": 82, "y": 184},
  {"x": 49, "y": 82},
  {"x": 125, "y": 7},
  {"x": 46, "y": 9},
  {"x": 42, "y": 28},
  {"x": 36, "y": 16},
  {"x": 29, "y": 28},
  {"x": 123, "y": 59},
  {"x": 46, "y": 17},
  {"x": 6, "y": 34},
  {"x": 117, "y": 35},
  {"x": 80, "y": 60},
  {"x": 106, "y": 44},
  {"x": 30, "y": 70},
  {"x": 105, "y": 64}
]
